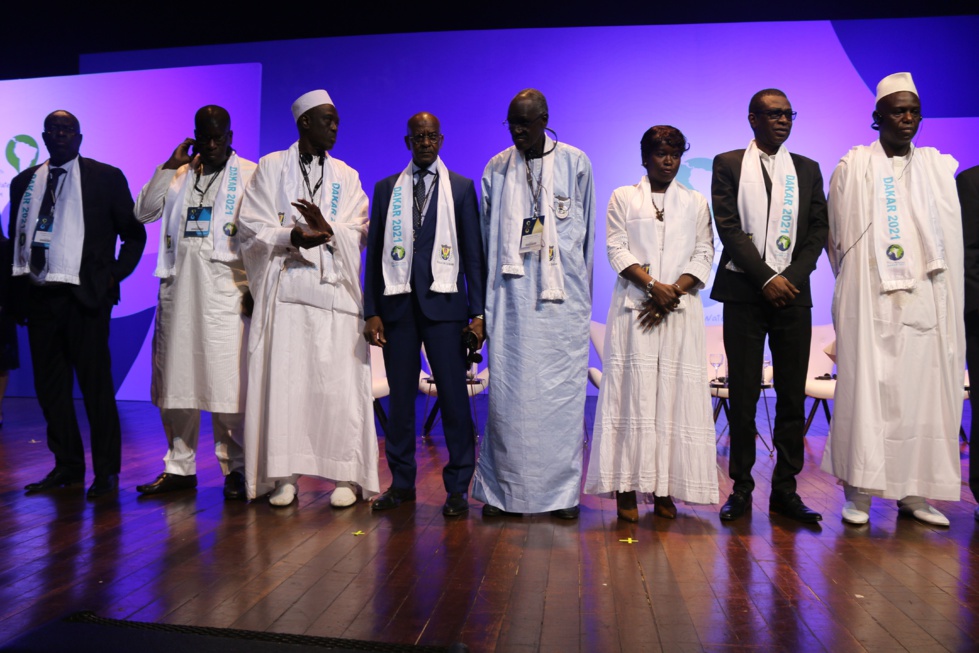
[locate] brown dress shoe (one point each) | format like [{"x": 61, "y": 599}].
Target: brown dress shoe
[
  {"x": 664, "y": 507},
  {"x": 626, "y": 507}
]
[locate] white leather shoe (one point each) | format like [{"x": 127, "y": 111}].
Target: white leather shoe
[
  {"x": 853, "y": 515},
  {"x": 284, "y": 494},
  {"x": 343, "y": 496},
  {"x": 926, "y": 515}
]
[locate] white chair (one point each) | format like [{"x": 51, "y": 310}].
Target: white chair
[
  {"x": 714, "y": 343},
  {"x": 476, "y": 383},
  {"x": 822, "y": 352},
  {"x": 379, "y": 384},
  {"x": 597, "y": 332}
]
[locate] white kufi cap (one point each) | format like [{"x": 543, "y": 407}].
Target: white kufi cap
[
  {"x": 309, "y": 100},
  {"x": 895, "y": 84}
]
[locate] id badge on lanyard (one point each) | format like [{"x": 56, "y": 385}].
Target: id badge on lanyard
[
  {"x": 43, "y": 232},
  {"x": 198, "y": 222},
  {"x": 532, "y": 234}
]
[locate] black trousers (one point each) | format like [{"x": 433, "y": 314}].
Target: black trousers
[
  {"x": 972, "y": 361},
  {"x": 789, "y": 332},
  {"x": 68, "y": 339},
  {"x": 447, "y": 357}
]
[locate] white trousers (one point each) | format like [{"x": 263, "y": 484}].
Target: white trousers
[{"x": 183, "y": 425}]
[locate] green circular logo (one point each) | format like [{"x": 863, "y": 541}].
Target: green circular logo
[
  {"x": 783, "y": 243},
  {"x": 895, "y": 252},
  {"x": 397, "y": 252},
  {"x": 22, "y": 152}
]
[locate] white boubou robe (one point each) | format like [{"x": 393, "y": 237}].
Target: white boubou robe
[
  {"x": 654, "y": 429},
  {"x": 531, "y": 459},
  {"x": 900, "y": 353},
  {"x": 200, "y": 333},
  {"x": 309, "y": 407}
]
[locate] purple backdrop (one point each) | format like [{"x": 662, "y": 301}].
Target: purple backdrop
[
  {"x": 132, "y": 120},
  {"x": 605, "y": 86}
]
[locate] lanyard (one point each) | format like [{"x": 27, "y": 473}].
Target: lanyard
[
  {"x": 540, "y": 187},
  {"x": 305, "y": 171},
  {"x": 203, "y": 193},
  {"x": 421, "y": 180},
  {"x": 60, "y": 183}
]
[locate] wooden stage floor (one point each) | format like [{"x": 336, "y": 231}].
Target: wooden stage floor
[{"x": 505, "y": 584}]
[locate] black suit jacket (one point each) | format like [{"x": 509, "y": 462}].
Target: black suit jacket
[
  {"x": 460, "y": 305},
  {"x": 811, "y": 232},
  {"x": 108, "y": 208},
  {"x": 968, "y": 186}
]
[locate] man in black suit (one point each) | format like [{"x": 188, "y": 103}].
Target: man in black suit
[
  {"x": 65, "y": 218},
  {"x": 412, "y": 298},
  {"x": 770, "y": 249},
  {"x": 967, "y": 184}
]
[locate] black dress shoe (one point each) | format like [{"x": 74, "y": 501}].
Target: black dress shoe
[
  {"x": 56, "y": 478},
  {"x": 234, "y": 487},
  {"x": 457, "y": 503},
  {"x": 392, "y": 498},
  {"x": 736, "y": 505},
  {"x": 567, "y": 513},
  {"x": 103, "y": 485},
  {"x": 789, "y": 504},
  {"x": 167, "y": 482},
  {"x": 493, "y": 511}
]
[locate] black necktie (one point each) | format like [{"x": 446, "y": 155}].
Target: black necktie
[
  {"x": 419, "y": 204},
  {"x": 39, "y": 254}
]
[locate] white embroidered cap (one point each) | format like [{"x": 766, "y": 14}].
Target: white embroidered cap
[
  {"x": 309, "y": 100},
  {"x": 895, "y": 84}
]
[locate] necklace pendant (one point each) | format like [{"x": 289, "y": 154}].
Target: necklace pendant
[{"x": 659, "y": 214}]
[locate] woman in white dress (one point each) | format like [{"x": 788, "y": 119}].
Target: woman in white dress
[{"x": 654, "y": 431}]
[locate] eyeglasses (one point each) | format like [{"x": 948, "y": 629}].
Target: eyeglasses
[
  {"x": 517, "y": 124},
  {"x": 775, "y": 114},
  {"x": 432, "y": 137},
  {"x": 61, "y": 129}
]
